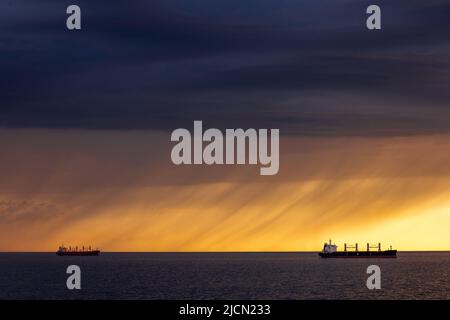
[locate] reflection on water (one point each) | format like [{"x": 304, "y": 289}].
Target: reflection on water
[{"x": 413, "y": 275}]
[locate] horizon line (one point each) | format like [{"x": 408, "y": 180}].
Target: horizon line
[{"x": 256, "y": 251}]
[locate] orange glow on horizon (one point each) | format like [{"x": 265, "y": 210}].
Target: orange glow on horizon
[{"x": 112, "y": 191}]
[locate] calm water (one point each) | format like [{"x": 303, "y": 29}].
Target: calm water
[{"x": 223, "y": 276}]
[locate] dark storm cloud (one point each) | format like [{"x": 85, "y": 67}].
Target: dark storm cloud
[{"x": 307, "y": 67}]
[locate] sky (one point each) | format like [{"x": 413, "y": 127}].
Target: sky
[{"x": 86, "y": 117}]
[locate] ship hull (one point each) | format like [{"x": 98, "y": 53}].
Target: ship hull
[
  {"x": 360, "y": 254},
  {"x": 79, "y": 253}
]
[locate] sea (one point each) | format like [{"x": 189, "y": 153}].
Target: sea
[{"x": 255, "y": 275}]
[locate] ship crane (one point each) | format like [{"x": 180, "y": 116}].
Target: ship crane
[
  {"x": 374, "y": 246},
  {"x": 352, "y": 246},
  {"x": 369, "y": 246}
]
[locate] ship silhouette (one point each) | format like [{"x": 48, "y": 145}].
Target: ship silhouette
[
  {"x": 330, "y": 251},
  {"x": 63, "y": 251}
]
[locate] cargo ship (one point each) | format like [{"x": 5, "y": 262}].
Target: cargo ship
[
  {"x": 330, "y": 251},
  {"x": 63, "y": 251}
]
